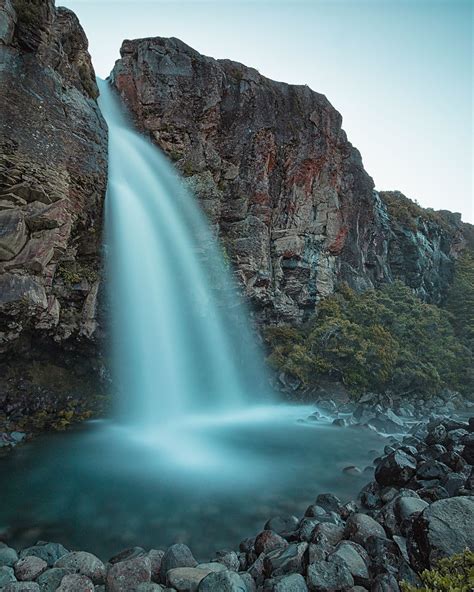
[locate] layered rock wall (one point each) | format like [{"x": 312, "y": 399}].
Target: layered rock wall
[{"x": 53, "y": 166}]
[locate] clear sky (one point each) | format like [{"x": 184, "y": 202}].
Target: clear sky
[{"x": 399, "y": 71}]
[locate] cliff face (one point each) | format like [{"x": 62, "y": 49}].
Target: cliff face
[
  {"x": 288, "y": 193},
  {"x": 272, "y": 166},
  {"x": 53, "y": 165}
]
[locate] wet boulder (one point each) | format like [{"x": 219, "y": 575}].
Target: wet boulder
[{"x": 395, "y": 469}]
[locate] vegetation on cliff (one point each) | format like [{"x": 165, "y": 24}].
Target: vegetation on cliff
[
  {"x": 460, "y": 301},
  {"x": 381, "y": 340}
]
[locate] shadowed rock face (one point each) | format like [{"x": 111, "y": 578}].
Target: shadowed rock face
[
  {"x": 53, "y": 165},
  {"x": 274, "y": 170}
]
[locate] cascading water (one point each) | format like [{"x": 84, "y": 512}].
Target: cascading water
[{"x": 181, "y": 341}]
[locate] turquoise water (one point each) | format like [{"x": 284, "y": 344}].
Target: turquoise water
[{"x": 103, "y": 488}]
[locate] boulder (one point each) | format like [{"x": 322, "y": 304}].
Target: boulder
[
  {"x": 257, "y": 569},
  {"x": 356, "y": 559},
  {"x": 432, "y": 469},
  {"x": 126, "y": 576},
  {"x": 8, "y": 556},
  {"x": 21, "y": 587},
  {"x": 130, "y": 553},
  {"x": 49, "y": 552},
  {"x": 7, "y": 575},
  {"x": 332, "y": 533},
  {"x": 285, "y": 560},
  {"x": 30, "y": 568},
  {"x": 156, "y": 557},
  {"x": 385, "y": 583},
  {"x": 186, "y": 579},
  {"x": 282, "y": 524},
  {"x": 329, "y": 577},
  {"x": 360, "y": 527},
  {"x": 223, "y": 581},
  {"x": 75, "y": 583},
  {"x": 229, "y": 559},
  {"x": 147, "y": 587},
  {"x": 395, "y": 469},
  {"x": 406, "y": 507},
  {"x": 268, "y": 540},
  {"x": 50, "y": 580},
  {"x": 442, "y": 529},
  {"x": 83, "y": 563},
  {"x": 329, "y": 502},
  {"x": 178, "y": 555},
  {"x": 291, "y": 583}
]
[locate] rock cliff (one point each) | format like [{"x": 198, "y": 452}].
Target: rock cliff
[
  {"x": 287, "y": 192},
  {"x": 53, "y": 166}
]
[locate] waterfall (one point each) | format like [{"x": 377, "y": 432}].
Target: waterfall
[{"x": 181, "y": 343}]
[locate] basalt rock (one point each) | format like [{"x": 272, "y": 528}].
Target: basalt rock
[
  {"x": 277, "y": 177},
  {"x": 53, "y": 166}
]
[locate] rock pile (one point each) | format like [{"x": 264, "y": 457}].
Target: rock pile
[{"x": 419, "y": 508}]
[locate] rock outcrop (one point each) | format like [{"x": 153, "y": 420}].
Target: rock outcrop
[
  {"x": 296, "y": 211},
  {"x": 53, "y": 167}
]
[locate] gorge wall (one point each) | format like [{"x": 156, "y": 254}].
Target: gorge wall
[
  {"x": 286, "y": 190},
  {"x": 53, "y": 166}
]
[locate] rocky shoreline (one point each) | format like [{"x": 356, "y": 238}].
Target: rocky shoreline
[{"x": 418, "y": 509}]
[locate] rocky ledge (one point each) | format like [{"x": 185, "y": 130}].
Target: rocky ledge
[{"x": 419, "y": 509}]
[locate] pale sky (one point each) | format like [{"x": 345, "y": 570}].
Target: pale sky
[{"x": 399, "y": 71}]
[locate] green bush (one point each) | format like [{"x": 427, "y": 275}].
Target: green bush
[
  {"x": 408, "y": 213},
  {"x": 455, "y": 574},
  {"x": 460, "y": 300},
  {"x": 383, "y": 340}
]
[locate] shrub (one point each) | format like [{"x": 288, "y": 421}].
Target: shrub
[
  {"x": 384, "y": 340},
  {"x": 454, "y": 574}
]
